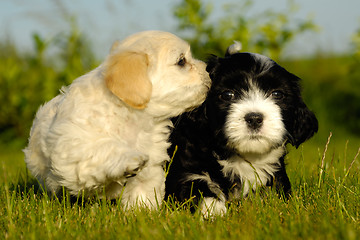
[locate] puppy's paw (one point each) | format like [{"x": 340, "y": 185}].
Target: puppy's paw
[
  {"x": 136, "y": 162},
  {"x": 211, "y": 207}
]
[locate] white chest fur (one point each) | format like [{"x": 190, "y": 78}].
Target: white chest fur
[{"x": 251, "y": 171}]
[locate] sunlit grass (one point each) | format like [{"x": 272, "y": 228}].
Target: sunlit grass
[{"x": 325, "y": 205}]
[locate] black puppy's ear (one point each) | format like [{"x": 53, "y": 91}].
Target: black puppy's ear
[
  {"x": 211, "y": 65},
  {"x": 305, "y": 125}
]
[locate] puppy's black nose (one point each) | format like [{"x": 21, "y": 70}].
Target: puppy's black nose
[{"x": 254, "y": 120}]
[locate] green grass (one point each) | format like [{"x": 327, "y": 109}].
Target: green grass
[{"x": 326, "y": 207}]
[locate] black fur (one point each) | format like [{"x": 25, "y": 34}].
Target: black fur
[{"x": 200, "y": 136}]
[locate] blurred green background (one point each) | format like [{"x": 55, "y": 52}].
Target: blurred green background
[{"x": 331, "y": 82}]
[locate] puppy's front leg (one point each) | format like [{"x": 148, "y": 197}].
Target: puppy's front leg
[
  {"x": 211, "y": 207},
  {"x": 146, "y": 189},
  {"x": 282, "y": 183},
  {"x": 128, "y": 165},
  {"x": 205, "y": 193},
  {"x": 91, "y": 165}
]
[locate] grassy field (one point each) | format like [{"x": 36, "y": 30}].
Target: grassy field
[{"x": 325, "y": 205}]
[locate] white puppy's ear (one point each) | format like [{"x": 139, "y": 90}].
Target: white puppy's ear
[{"x": 126, "y": 76}]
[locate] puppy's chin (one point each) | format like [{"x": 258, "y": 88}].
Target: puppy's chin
[
  {"x": 196, "y": 99},
  {"x": 177, "y": 102},
  {"x": 253, "y": 144}
]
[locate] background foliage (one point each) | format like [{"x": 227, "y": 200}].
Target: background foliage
[
  {"x": 268, "y": 32},
  {"x": 27, "y": 80},
  {"x": 331, "y": 83}
]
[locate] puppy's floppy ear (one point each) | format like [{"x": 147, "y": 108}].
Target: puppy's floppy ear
[
  {"x": 126, "y": 76},
  {"x": 211, "y": 65},
  {"x": 305, "y": 125}
]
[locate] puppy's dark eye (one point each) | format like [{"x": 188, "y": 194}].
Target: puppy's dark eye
[
  {"x": 182, "y": 61},
  {"x": 277, "y": 95},
  {"x": 227, "y": 96}
]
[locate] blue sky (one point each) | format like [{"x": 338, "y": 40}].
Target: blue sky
[{"x": 107, "y": 20}]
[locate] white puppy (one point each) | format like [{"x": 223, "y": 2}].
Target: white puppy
[{"x": 108, "y": 130}]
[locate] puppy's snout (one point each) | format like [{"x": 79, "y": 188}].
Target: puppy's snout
[
  {"x": 254, "y": 120},
  {"x": 200, "y": 66}
]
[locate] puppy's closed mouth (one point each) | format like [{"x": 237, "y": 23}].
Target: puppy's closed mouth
[{"x": 255, "y": 137}]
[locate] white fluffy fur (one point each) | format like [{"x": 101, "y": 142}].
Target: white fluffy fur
[
  {"x": 244, "y": 139},
  {"x": 234, "y": 48},
  {"x": 213, "y": 186},
  {"x": 252, "y": 169},
  {"x": 87, "y": 139},
  {"x": 210, "y": 207},
  {"x": 258, "y": 151}
]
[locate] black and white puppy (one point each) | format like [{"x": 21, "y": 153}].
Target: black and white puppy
[{"x": 235, "y": 141}]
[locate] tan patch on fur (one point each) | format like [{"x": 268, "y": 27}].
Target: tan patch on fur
[{"x": 126, "y": 76}]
